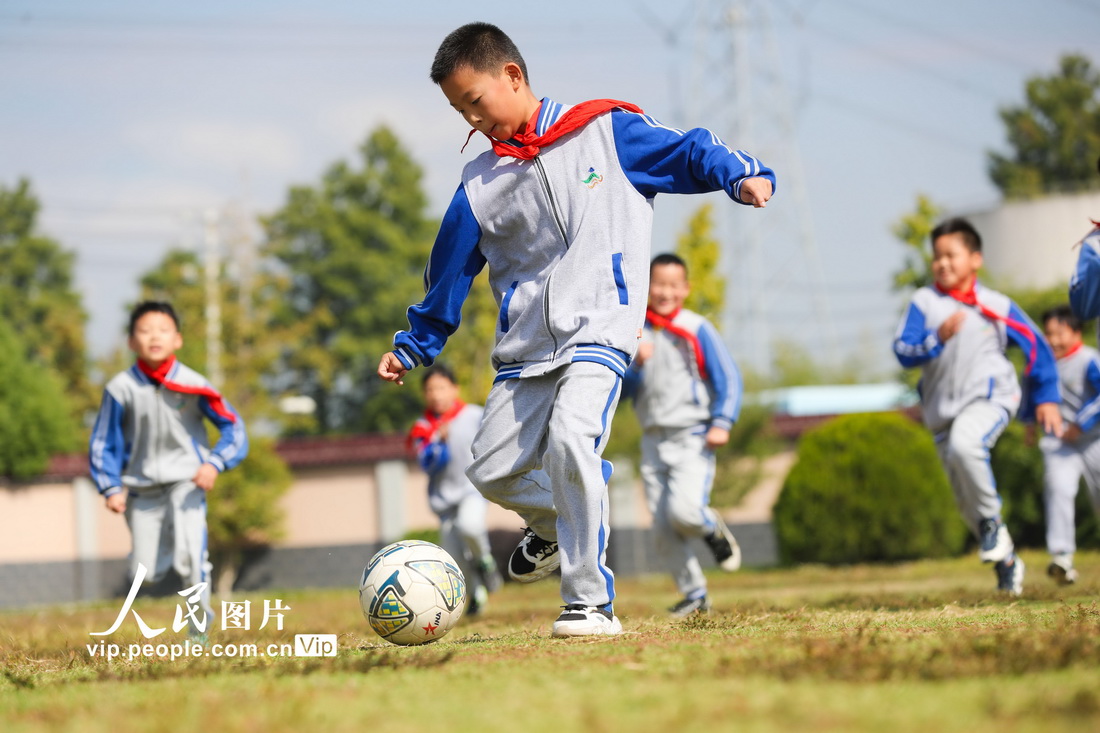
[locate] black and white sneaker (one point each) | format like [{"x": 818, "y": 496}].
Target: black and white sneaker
[
  {"x": 578, "y": 620},
  {"x": 689, "y": 606},
  {"x": 534, "y": 558},
  {"x": 1061, "y": 569},
  {"x": 727, "y": 553}
]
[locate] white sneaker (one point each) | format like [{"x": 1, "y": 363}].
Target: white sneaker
[
  {"x": 996, "y": 542},
  {"x": 1061, "y": 569},
  {"x": 577, "y": 620},
  {"x": 1010, "y": 578}
]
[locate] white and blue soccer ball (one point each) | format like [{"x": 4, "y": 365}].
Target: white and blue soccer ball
[{"x": 412, "y": 592}]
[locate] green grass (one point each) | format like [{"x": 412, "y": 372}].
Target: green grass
[{"x": 915, "y": 647}]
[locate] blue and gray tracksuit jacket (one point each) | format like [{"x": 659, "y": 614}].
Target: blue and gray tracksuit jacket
[
  {"x": 668, "y": 390},
  {"x": 972, "y": 364},
  {"x": 1079, "y": 377},
  {"x": 146, "y": 435},
  {"x": 566, "y": 237},
  {"x": 446, "y": 461}
]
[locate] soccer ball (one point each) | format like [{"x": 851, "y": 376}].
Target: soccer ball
[{"x": 412, "y": 592}]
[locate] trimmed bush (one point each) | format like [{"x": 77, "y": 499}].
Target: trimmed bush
[{"x": 867, "y": 488}]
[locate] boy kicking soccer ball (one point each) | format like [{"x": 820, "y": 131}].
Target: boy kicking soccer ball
[{"x": 560, "y": 209}]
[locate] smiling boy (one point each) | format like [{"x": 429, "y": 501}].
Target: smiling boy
[{"x": 957, "y": 331}]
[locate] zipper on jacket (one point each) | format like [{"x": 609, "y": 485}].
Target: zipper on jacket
[
  {"x": 550, "y": 197},
  {"x": 565, "y": 241}
]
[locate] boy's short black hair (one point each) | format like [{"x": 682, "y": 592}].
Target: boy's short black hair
[
  {"x": 668, "y": 258},
  {"x": 480, "y": 46},
  {"x": 152, "y": 306},
  {"x": 438, "y": 370},
  {"x": 1063, "y": 314},
  {"x": 959, "y": 225}
]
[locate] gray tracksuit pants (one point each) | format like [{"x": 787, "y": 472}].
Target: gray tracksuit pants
[
  {"x": 964, "y": 450},
  {"x": 1063, "y": 466},
  {"x": 463, "y": 533},
  {"x": 678, "y": 472},
  {"x": 168, "y": 526},
  {"x": 538, "y": 452}
]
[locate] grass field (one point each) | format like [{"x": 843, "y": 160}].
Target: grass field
[{"x": 924, "y": 646}]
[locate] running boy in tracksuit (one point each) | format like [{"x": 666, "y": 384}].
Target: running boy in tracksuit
[
  {"x": 149, "y": 455},
  {"x": 1077, "y": 452},
  {"x": 561, "y": 211},
  {"x": 687, "y": 394},
  {"x": 957, "y": 331},
  {"x": 441, "y": 438}
]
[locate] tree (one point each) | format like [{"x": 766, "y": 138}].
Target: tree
[
  {"x": 355, "y": 248},
  {"x": 34, "y": 419},
  {"x": 701, "y": 251},
  {"x": 914, "y": 230},
  {"x": 1054, "y": 135},
  {"x": 37, "y": 297}
]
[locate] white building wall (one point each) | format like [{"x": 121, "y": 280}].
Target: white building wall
[{"x": 1032, "y": 244}]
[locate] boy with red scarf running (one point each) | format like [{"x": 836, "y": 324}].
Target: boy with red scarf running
[
  {"x": 687, "y": 394},
  {"x": 957, "y": 331},
  {"x": 560, "y": 210},
  {"x": 149, "y": 455},
  {"x": 441, "y": 438}
]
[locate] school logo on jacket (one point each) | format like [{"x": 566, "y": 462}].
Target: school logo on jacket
[{"x": 592, "y": 179}]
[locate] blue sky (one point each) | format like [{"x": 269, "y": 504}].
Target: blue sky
[{"x": 130, "y": 119}]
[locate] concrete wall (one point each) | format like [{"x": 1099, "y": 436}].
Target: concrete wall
[
  {"x": 1030, "y": 244},
  {"x": 59, "y": 544}
]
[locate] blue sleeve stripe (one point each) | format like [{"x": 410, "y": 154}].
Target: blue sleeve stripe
[
  {"x": 1044, "y": 372},
  {"x": 722, "y": 373},
  {"x": 454, "y": 262},
  {"x": 913, "y": 343},
  {"x": 107, "y": 447},
  {"x": 232, "y": 446},
  {"x": 1089, "y": 414}
]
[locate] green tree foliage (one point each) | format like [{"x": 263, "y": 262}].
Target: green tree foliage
[
  {"x": 355, "y": 247},
  {"x": 914, "y": 230},
  {"x": 1054, "y": 135},
  {"x": 867, "y": 488},
  {"x": 34, "y": 420},
  {"x": 37, "y": 297},
  {"x": 243, "y": 511},
  {"x": 700, "y": 250}
]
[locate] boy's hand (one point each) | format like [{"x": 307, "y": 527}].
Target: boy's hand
[
  {"x": 645, "y": 350},
  {"x": 756, "y": 191},
  {"x": 117, "y": 502},
  {"x": 205, "y": 476},
  {"x": 391, "y": 369},
  {"x": 951, "y": 326},
  {"x": 1049, "y": 418},
  {"x": 717, "y": 437}
]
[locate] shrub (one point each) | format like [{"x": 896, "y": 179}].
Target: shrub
[{"x": 867, "y": 488}]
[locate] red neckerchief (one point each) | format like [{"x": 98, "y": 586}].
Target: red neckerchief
[
  {"x": 429, "y": 424},
  {"x": 658, "y": 321},
  {"x": 574, "y": 118},
  {"x": 1071, "y": 351},
  {"x": 970, "y": 297},
  {"x": 160, "y": 376}
]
